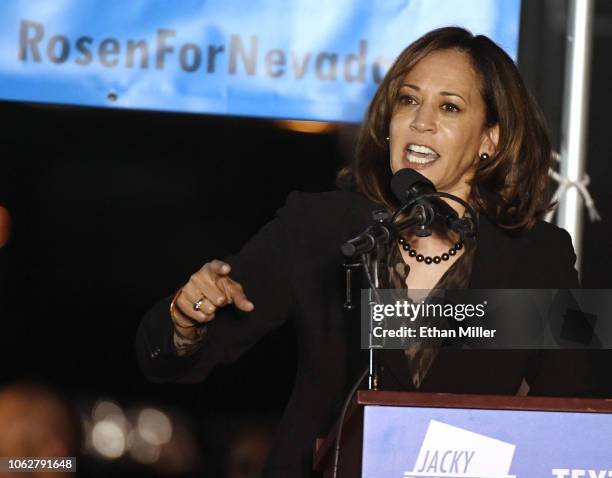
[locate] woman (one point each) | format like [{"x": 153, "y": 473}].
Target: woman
[{"x": 454, "y": 107}]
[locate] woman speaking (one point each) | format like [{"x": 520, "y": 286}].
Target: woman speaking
[{"x": 454, "y": 108}]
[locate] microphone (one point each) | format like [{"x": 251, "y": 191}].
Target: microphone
[
  {"x": 409, "y": 185},
  {"x": 379, "y": 232}
]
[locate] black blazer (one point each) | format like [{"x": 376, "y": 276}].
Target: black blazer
[{"x": 292, "y": 269}]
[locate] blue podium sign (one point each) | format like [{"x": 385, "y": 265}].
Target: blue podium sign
[
  {"x": 296, "y": 59},
  {"x": 405, "y": 442}
]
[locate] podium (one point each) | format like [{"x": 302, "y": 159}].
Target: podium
[{"x": 407, "y": 434}]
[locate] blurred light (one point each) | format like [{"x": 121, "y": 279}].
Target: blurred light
[
  {"x": 320, "y": 127},
  {"x": 105, "y": 409},
  {"x": 110, "y": 412},
  {"x": 154, "y": 426},
  {"x": 108, "y": 439},
  {"x": 142, "y": 451}
]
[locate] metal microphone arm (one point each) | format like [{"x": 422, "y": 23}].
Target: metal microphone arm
[
  {"x": 467, "y": 227},
  {"x": 384, "y": 231}
]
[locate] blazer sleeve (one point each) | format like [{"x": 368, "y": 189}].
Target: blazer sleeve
[
  {"x": 264, "y": 268},
  {"x": 561, "y": 372}
]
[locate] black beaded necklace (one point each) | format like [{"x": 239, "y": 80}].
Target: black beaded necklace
[{"x": 428, "y": 259}]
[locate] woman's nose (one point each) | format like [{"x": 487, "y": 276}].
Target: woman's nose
[{"x": 424, "y": 120}]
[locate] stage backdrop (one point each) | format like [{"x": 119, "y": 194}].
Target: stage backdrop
[{"x": 300, "y": 59}]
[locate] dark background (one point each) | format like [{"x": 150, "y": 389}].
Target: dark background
[{"x": 114, "y": 209}]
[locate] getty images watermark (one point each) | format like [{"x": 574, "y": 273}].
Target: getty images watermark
[
  {"x": 409, "y": 311},
  {"x": 486, "y": 319}
]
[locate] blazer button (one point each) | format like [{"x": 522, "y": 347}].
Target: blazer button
[{"x": 155, "y": 353}]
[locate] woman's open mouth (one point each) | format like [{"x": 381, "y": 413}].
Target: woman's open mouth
[{"x": 420, "y": 156}]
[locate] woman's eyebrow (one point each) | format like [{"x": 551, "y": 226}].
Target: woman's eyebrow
[
  {"x": 442, "y": 93},
  {"x": 450, "y": 93}
]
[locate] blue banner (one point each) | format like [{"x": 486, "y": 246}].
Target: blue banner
[
  {"x": 297, "y": 59},
  {"x": 404, "y": 442}
]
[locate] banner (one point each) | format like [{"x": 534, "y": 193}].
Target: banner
[
  {"x": 296, "y": 59},
  {"x": 406, "y": 442}
]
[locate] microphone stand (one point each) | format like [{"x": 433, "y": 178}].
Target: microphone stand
[
  {"x": 374, "y": 246},
  {"x": 376, "y": 266},
  {"x": 379, "y": 277}
]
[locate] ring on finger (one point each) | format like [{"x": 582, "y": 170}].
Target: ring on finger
[{"x": 198, "y": 305}]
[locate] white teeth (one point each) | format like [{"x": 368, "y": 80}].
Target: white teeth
[
  {"x": 421, "y": 149},
  {"x": 416, "y": 159}
]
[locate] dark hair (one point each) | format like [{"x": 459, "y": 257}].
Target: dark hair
[{"x": 511, "y": 186}]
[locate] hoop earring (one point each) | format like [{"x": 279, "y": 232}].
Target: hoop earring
[{"x": 484, "y": 156}]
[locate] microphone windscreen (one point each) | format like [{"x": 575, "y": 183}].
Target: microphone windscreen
[{"x": 407, "y": 182}]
